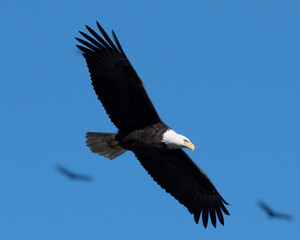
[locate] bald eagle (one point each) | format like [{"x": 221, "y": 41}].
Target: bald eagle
[{"x": 140, "y": 129}]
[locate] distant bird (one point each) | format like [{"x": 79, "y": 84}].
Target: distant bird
[
  {"x": 140, "y": 129},
  {"x": 72, "y": 175},
  {"x": 271, "y": 213}
]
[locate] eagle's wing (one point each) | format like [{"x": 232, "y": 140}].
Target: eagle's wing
[
  {"x": 266, "y": 208},
  {"x": 82, "y": 177},
  {"x": 283, "y": 216},
  {"x": 184, "y": 180},
  {"x": 116, "y": 83},
  {"x": 65, "y": 171}
]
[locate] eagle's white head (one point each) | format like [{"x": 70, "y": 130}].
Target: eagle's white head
[{"x": 174, "y": 140}]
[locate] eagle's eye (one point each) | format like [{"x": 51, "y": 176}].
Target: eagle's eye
[{"x": 185, "y": 140}]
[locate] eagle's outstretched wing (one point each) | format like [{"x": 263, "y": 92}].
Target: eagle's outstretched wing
[
  {"x": 116, "y": 83},
  {"x": 174, "y": 171}
]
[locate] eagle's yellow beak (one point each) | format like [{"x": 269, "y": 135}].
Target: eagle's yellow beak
[{"x": 190, "y": 146}]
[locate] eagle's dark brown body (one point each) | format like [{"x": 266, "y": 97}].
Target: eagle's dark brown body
[{"x": 144, "y": 139}]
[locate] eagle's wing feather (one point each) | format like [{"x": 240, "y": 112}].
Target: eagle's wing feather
[
  {"x": 116, "y": 83},
  {"x": 184, "y": 180}
]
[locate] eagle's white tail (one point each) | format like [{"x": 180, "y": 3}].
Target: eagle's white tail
[{"x": 104, "y": 144}]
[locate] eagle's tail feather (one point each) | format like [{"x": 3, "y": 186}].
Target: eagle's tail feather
[{"x": 104, "y": 144}]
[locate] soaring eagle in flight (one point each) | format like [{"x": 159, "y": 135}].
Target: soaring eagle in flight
[
  {"x": 140, "y": 129},
  {"x": 273, "y": 214},
  {"x": 71, "y": 175}
]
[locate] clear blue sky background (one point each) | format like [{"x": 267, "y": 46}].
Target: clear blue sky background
[{"x": 226, "y": 74}]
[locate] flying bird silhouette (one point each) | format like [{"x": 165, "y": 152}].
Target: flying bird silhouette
[
  {"x": 140, "y": 129},
  {"x": 71, "y": 175},
  {"x": 271, "y": 213}
]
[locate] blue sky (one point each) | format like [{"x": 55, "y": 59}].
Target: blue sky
[{"x": 223, "y": 73}]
